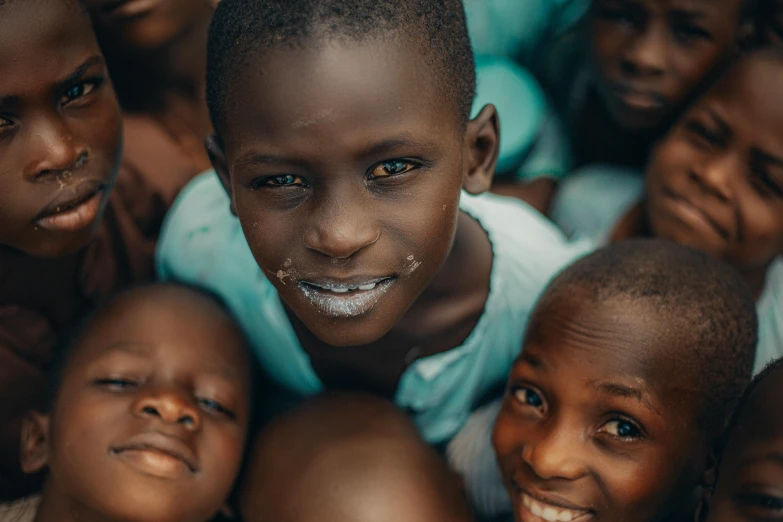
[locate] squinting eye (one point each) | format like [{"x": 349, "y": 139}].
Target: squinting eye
[
  {"x": 5, "y": 122},
  {"x": 764, "y": 502},
  {"x": 117, "y": 384},
  {"x": 528, "y": 397},
  {"x": 217, "y": 407},
  {"x": 622, "y": 429},
  {"x": 285, "y": 180},
  {"x": 686, "y": 33},
  {"x": 392, "y": 168},
  {"x": 78, "y": 91}
]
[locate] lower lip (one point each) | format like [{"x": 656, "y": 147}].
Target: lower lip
[
  {"x": 691, "y": 216},
  {"x": 154, "y": 463},
  {"x": 638, "y": 102},
  {"x": 350, "y": 304},
  {"x": 74, "y": 219},
  {"x": 549, "y": 513}
]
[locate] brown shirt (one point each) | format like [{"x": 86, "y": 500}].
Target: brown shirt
[{"x": 40, "y": 299}]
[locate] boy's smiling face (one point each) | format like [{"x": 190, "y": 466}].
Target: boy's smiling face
[
  {"x": 650, "y": 56},
  {"x": 151, "y": 413},
  {"x": 750, "y": 481},
  {"x": 344, "y": 162},
  {"x": 598, "y": 421},
  {"x": 59, "y": 128},
  {"x": 715, "y": 182}
]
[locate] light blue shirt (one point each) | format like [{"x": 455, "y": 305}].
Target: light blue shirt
[
  {"x": 202, "y": 244},
  {"x": 590, "y": 203}
]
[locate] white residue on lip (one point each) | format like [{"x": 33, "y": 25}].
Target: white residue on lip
[
  {"x": 412, "y": 266},
  {"x": 345, "y": 305},
  {"x": 289, "y": 273}
]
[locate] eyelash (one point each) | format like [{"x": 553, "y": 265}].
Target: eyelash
[
  {"x": 89, "y": 86},
  {"x": 687, "y": 33},
  {"x": 291, "y": 180},
  {"x": 761, "y": 501},
  {"x": 703, "y": 136}
]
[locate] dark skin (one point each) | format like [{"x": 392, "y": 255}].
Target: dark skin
[
  {"x": 60, "y": 133},
  {"x": 344, "y": 168},
  {"x": 157, "y": 53},
  {"x": 715, "y": 182},
  {"x": 151, "y": 416},
  {"x": 751, "y": 471},
  {"x": 599, "y": 416},
  {"x": 365, "y": 461}
]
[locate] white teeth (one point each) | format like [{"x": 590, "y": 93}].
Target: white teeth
[
  {"x": 366, "y": 287},
  {"x": 339, "y": 290},
  {"x": 548, "y": 512}
]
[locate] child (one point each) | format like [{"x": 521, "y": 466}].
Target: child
[
  {"x": 66, "y": 239},
  {"x": 617, "y": 80},
  {"x": 714, "y": 182},
  {"x": 751, "y": 469},
  {"x": 348, "y": 458},
  {"x": 148, "y": 412},
  {"x": 633, "y": 358},
  {"x": 156, "y": 53},
  {"x": 343, "y": 143}
]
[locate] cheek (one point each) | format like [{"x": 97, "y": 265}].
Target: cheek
[
  {"x": 223, "y": 446},
  {"x": 763, "y": 228},
  {"x": 507, "y": 440},
  {"x": 670, "y": 161}
]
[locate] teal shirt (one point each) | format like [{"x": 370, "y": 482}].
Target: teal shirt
[{"x": 202, "y": 244}]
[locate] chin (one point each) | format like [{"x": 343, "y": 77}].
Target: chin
[{"x": 349, "y": 332}]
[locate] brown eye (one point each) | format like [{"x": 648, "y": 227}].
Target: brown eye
[
  {"x": 286, "y": 180},
  {"x": 392, "y": 168},
  {"x": 80, "y": 90}
]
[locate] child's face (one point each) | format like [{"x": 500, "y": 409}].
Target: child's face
[
  {"x": 597, "y": 422},
  {"x": 649, "y": 56},
  {"x": 715, "y": 182},
  {"x": 145, "y": 25},
  {"x": 59, "y": 128},
  {"x": 151, "y": 416},
  {"x": 345, "y": 164},
  {"x": 750, "y": 483}
]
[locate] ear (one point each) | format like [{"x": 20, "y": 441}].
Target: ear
[
  {"x": 34, "y": 450},
  {"x": 481, "y": 150},
  {"x": 218, "y": 158}
]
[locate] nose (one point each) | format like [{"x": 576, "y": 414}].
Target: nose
[
  {"x": 556, "y": 453},
  {"x": 341, "y": 229},
  {"x": 715, "y": 174},
  {"x": 57, "y": 150},
  {"x": 646, "y": 54},
  {"x": 169, "y": 406}
]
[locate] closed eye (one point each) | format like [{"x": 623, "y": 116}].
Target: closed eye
[
  {"x": 686, "y": 33},
  {"x": 116, "y": 384},
  {"x": 702, "y": 135},
  {"x": 216, "y": 407}
]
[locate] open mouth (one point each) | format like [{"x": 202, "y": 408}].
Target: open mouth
[
  {"x": 552, "y": 513},
  {"x": 336, "y": 299},
  {"x": 74, "y": 210}
]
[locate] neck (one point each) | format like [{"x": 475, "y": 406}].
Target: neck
[
  {"x": 56, "y": 507},
  {"x": 166, "y": 79}
]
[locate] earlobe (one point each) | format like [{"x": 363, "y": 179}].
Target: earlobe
[
  {"x": 34, "y": 450},
  {"x": 481, "y": 150},
  {"x": 218, "y": 158}
]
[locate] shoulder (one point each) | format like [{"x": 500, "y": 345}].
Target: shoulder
[
  {"x": 201, "y": 239},
  {"x": 590, "y": 201},
  {"x": 770, "y": 317}
]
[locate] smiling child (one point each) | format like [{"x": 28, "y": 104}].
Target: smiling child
[
  {"x": 750, "y": 476},
  {"x": 366, "y": 461},
  {"x": 148, "y": 412},
  {"x": 343, "y": 240},
  {"x": 714, "y": 182},
  {"x": 632, "y": 362}
]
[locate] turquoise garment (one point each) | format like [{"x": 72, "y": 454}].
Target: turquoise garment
[
  {"x": 592, "y": 201},
  {"x": 510, "y": 38},
  {"x": 202, "y": 244}
]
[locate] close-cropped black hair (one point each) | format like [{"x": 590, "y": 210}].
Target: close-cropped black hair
[
  {"x": 704, "y": 304},
  {"x": 244, "y": 29}
]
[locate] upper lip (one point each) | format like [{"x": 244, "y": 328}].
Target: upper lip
[
  {"x": 161, "y": 443},
  {"x": 350, "y": 282},
  {"x": 624, "y": 89},
  {"x": 720, "y": 229},
  {"x": 71, "y": 197}
]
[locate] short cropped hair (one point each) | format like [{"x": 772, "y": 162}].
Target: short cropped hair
[
  {"x": 705, "y": 304},
  {"x": 243, "y": 29}
]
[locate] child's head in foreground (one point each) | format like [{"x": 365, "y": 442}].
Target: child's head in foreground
[
  {"x": 60, "y": 133},
  {"x": 348, "y": 458},
  {"x": 750, "y": 477},
  {"x": 148, "y": 412},
  {"x": 715, "y": 181},
  {"x": 633, "y": 358},
  {"x": 343, "y": 139},
  {"x": 650, "y": 57}
]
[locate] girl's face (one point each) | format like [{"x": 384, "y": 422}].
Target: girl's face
[
  {"x": 750, "y": 482},
  {"x": 715, "y": 182}
]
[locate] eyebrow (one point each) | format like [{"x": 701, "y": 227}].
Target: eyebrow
[
  {"x": 619, "y": 390},
  {"x": 532, "y": 360},
  {"x": 720, "y": 122}
]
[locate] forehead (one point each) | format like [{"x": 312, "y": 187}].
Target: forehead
[
  {"x": 346, "y": 90},
  {"x": 42, "y": 37}
]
